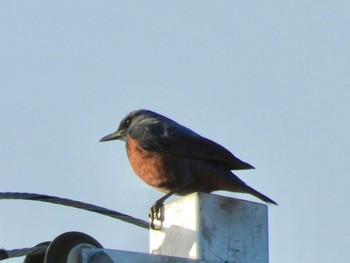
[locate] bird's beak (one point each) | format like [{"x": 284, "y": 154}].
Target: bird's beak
[{"x": 113, "y": 136}]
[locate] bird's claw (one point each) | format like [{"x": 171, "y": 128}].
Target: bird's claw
[{"x": 156, "y": 213}]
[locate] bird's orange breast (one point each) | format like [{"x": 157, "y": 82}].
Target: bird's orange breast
[{"x": 154, "y": 168}]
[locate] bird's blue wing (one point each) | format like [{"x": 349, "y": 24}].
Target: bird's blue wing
[{"x": 173, "y": 138}]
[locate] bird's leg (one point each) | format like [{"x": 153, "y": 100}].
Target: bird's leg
[{"x": 156, "y": 211}]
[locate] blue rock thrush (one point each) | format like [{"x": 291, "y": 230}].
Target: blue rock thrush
[{"x": 176, "y": 160}]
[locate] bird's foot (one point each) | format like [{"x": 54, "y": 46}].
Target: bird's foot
[{"x": 156, "y": 213}]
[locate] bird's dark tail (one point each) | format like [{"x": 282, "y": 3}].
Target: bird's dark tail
[
  {"x": 247, "y": 189},
  {"x": 237, "y": 185}
]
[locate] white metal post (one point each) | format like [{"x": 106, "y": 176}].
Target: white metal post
[{"x": 213, "y": 228}]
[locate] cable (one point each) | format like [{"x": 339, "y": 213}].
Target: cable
[
  {"x": 76, "y": 204},
  {"x": 5, "y": 254}
]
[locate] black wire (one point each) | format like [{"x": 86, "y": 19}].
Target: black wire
[{"x": 76, "y": 204}]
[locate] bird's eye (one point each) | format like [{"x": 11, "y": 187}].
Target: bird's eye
[{"x": 127, "y": 122}]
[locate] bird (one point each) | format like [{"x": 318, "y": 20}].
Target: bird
[{"x": 176, "y": 160}]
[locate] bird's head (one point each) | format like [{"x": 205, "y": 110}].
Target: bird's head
[{"x": 130, "y": 121}]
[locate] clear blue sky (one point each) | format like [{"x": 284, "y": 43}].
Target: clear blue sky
[{"x": 269, "y": 80}]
